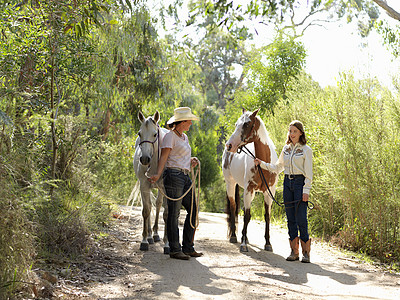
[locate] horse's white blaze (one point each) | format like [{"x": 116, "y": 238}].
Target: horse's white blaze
[{"x": 236, "y": 138}]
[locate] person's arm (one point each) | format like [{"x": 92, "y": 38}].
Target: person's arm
[
  {"x": 275, "y": 168},
  {"x": 161, "y": 163},
  {"x": 308, "y": 173}
]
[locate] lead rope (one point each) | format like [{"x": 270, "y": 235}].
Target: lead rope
[{"x": 197, "y": 199}]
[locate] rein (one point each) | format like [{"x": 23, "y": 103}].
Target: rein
[{"x": 264, "y": 181}]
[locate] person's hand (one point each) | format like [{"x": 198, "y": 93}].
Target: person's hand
[
  {"x": 194, "y": 161},
  {"x": 305, "y": 197},
  {"x": 257, "y": 161},
  {"x": 153, "y": 178}
]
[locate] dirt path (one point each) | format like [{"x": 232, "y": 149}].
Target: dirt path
[{"x": 119, "y": 270}]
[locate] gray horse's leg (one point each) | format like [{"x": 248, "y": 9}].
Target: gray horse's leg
[
  {"x": 146, "y": 209},
  {"x": 159, "y": 203}
]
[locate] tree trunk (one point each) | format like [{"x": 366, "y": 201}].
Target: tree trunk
[{"x": 53, "y": 125}]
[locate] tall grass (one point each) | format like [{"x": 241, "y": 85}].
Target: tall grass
[
  {"x": 353, "y": 129},
  {"x": 34, "y": 223}
]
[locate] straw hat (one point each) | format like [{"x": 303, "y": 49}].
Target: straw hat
[{"x": 182, "y": 114}]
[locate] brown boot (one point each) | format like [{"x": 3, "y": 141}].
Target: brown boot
[
  {"x": 306, "y": 247},
  {"x": 294, "y": 245}
]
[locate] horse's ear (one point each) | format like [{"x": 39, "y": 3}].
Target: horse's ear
[
  {"x": 156, "y": 117},
  {"x": 255, "y": 112},
  {"x": 243, "y": 110},
  {"x": 140, "y": 117}
]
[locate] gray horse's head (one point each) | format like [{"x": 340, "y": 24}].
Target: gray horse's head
[{"x": 148, "y": 136}]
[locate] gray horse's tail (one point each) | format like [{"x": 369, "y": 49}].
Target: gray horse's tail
[{"x": 134, "y": 196}]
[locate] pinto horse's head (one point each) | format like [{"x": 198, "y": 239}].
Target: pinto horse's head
[
  {"x": 244, "y": 131},
  {"x": 148, "y": 136}
]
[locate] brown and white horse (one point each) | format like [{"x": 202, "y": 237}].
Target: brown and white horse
[{"x": 239, "y": 170}]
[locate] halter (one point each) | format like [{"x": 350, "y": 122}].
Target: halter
[{"x": 153, "y": 142}]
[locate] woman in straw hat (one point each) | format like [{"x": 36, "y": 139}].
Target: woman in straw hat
[{"x": 176, "y": 157}]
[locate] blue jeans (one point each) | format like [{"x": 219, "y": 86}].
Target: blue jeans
[
  {"x": 296, "y": 209},
  {"x": 176, "y": 183}
]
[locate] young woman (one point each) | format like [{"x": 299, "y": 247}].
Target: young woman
[
  {"x": 177, "y": 160},
  {"x": 296, "y": 161}
]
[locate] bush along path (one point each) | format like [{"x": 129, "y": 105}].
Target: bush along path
[{"x": 115, "y": 268}]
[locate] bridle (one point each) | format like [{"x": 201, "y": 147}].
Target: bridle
[{"x": 153, "y": 142}]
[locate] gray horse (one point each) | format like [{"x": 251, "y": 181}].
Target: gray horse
[{"x": 145, "y": 163}]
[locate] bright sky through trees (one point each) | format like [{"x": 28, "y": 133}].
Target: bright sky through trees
[{"x": 336, "y": 47}]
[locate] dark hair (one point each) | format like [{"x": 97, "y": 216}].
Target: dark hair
[
  {"x": 299, "y": 126},
  {"x": 173, "y": 125}
]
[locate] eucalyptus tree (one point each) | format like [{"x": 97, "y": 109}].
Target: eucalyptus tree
[
  {"x": 221, "y": 60},
  {"x": 130, "y": 73},
  {"x": 297, "y": 15},
  {"x": 271, "y": 73}
]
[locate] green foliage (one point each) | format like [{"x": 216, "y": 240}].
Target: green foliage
[
  {"x": 68, "y": 222},
  {"x": 272, "y": 72},
  {"x": 16, "y": 235},
  {"x": 113, "y": 166},
  {"x": 353, "y": 130},
  {"x": 217, "y": 58},
  {"x": 391, "y": 36}
]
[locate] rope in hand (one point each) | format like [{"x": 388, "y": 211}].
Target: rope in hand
[{"x": 193, "y": 186}]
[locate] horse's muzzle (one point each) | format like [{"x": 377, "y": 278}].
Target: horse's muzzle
[{"x": 145, "y": 160}]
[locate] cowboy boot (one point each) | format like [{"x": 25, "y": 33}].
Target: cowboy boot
[
  {"x": 294, "y": 245},
  {"x": 306, "y": 247}
]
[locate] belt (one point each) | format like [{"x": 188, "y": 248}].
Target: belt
[
  {"x": 185, "y": 171},
  {"x": 293, "y": 176}
]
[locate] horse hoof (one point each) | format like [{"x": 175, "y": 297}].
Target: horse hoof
[
  {"x": 268, "y": 248},
  {"x": 243, "y": 248},
  {"x": 150, "y": 240},
  {"x": 156, "y": 238},
  {"x": 144, "y": 246},
  {"x": 166, "y": 250},
  {"x": 233, "y": 239}
]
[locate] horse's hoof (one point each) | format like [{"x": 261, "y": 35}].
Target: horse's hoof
[
  {"x": 150, "y": 240},
  {"x": 166, "y": 250},
  {"x": 156, "y": 238},
  {"x": 243, "y": 248},
  {"x": 268, "y": 248},
  {"x": 144, "y": 246},
  {"x": 233, "y": 239}
]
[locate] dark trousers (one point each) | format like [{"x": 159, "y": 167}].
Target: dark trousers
[
  {"x": 176, "y": 183},
  {"x": 296, "y": 209}
]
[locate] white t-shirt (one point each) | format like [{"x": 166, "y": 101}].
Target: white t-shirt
[{"x": 180, "y": 154}]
